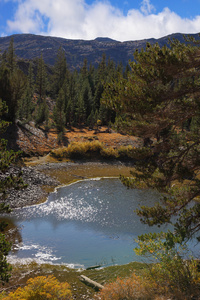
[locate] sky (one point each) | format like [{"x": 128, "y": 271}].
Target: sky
[{"x": 121, "y": 20}]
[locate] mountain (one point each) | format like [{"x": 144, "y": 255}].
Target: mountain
[{"x": 30, "y": 46}]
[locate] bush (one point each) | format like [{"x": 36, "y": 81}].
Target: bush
[
  {"x": 174, "y": 275},
  {"x": 59, "y": 153},
  {"x": 131, "y": 288},
  {"x": 93, "y": 148},
  {"x": 109, "y": 152},
  {"x": 79, "y": 150},
  {"x": 41, "y": 288}
]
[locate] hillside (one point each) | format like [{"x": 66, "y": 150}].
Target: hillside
[
  {"x": 37, "y": 142},
  {"x": 29, "y": 46}
]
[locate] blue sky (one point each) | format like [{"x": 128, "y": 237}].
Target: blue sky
[{"x": 87, "y": 19}]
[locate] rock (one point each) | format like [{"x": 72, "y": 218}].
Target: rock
[{"x": 33, "y": 193}]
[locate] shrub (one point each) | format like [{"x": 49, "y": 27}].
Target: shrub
[
  {"x": 174, "y": 275},
  {"x": 81, "y": 150},
  {"x": 91, "y": 148},
  {"x": 41, "y": 288},
  {"x": 59, "y": 153},
  {"x": 125, "y": 151},
  {"x": 109, "y": 152},
  {"x": 131, "y": 288},
  {"x": 78, "y": 150}
]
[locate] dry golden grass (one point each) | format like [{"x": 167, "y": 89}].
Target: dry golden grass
[
  {"x": 92, "y": 149},
  {"x": 39, "y": 142}
]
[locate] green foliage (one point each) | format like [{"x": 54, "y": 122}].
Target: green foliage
[
  {"x": 174, "y": 274},
  {"x": 42, "y": 113},
  {"x": 58, "y": 113},
  {"x": 159, "y": 101},
  {"x": 12, "y": 82},
  {"x": 170, "y": 277},
  {"x": 59, "y": 72},
  {"x": 25, "y": 95},
  {"x": 41, "y": 288},
  {"x": 5, "y": 268},
  {"x": 41, "y": 79},
  {"x": 6, "y": 182},
  {"x": 10, "y": 56},
  {"x": 26, "y": 106},
  {"x": 3, "y": 109}
]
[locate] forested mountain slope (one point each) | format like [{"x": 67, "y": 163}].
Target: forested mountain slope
[{"x": 29, "y": 46}]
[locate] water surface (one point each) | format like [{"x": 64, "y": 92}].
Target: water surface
[{"x": 90, "y": 222}]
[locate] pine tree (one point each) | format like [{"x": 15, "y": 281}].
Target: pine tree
[
  {"x": 71, "y": 104},
  {"x": 42, "y": 114},
  {"x": 26, "y": 106},
  {"x": 41, "y": 78},
  {"x": 10, "y": 56},
  {"x": 59, "y": 112},
  {"x": 59, "y": 71},
  {"x": 160, "y": 96},
  {"x": 6, "y": 182}
]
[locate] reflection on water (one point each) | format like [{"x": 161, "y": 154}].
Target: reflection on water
[
  {"x": 12, "y": 231},
  {"x": 89, "y": 222}
]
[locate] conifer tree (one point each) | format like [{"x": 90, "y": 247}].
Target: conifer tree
[
  {"x": 26, "y": 105},
  {"x": 160, "y": 96},
  {"x": 59, "y": 71},
  {"x": 6, "y": 182},
  {"x": 42, "y": 114},
  {"x": 70, "y": 106},
  {"x": 12, "y": 82},
  {"x": 59, "y": 112},
  {"x": 41, "y": 78},
  {"x": 10, "y": 56}
]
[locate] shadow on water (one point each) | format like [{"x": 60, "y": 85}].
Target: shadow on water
[{"x": 13, "y": 233}]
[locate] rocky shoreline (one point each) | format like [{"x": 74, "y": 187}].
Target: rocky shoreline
[
  {"x": 33, "y": 193},
  {"x": 40, "y": 181}
]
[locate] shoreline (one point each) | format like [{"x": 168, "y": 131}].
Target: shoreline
[{"x": 43, "y": 178}]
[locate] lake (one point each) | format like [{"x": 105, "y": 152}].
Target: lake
[{"x": 89, "y": 222}]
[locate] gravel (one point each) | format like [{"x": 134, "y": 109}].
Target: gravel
[{"x": 31, "y": 194}]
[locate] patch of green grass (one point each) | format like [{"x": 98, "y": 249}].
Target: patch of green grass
[
  {"x": 21, "y": 273},
  {"x": 105, "y": 275}
]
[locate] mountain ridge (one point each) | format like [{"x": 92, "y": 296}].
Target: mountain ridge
[{"x": 30, "y": 46}]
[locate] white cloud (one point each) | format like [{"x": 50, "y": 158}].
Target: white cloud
[
  {"x": 147, "y": 7},
  {"x": 77, "y": 20}
]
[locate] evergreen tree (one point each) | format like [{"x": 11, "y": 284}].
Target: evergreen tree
[
  {"x": 84, "y": 70},
  {"x": 12, "y": 82},
  {"x": 59, "y": 113},
  {"x": 102, "y": 69},
  {"x": 59, "y": 71},
  {"x": 6, "y": 182},
  {"x": 26, "y": 105},
  {"x": 10, "y": 56},
  {"x": 42, "y": 113},
  {"x": 41, "y": 78},
  {"x": 160, "y": 95},
  {"x": 12, "y": 86},
  {"x": 71, "y": 104},
  {"x": 80, "y": 111}
]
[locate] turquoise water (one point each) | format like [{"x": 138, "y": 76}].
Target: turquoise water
[{"x": 87, "y": 223}]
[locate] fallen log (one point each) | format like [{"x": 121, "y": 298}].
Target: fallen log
[
  {"x": 93, "y": 267},
  {"x": 90, "y": 282}
]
